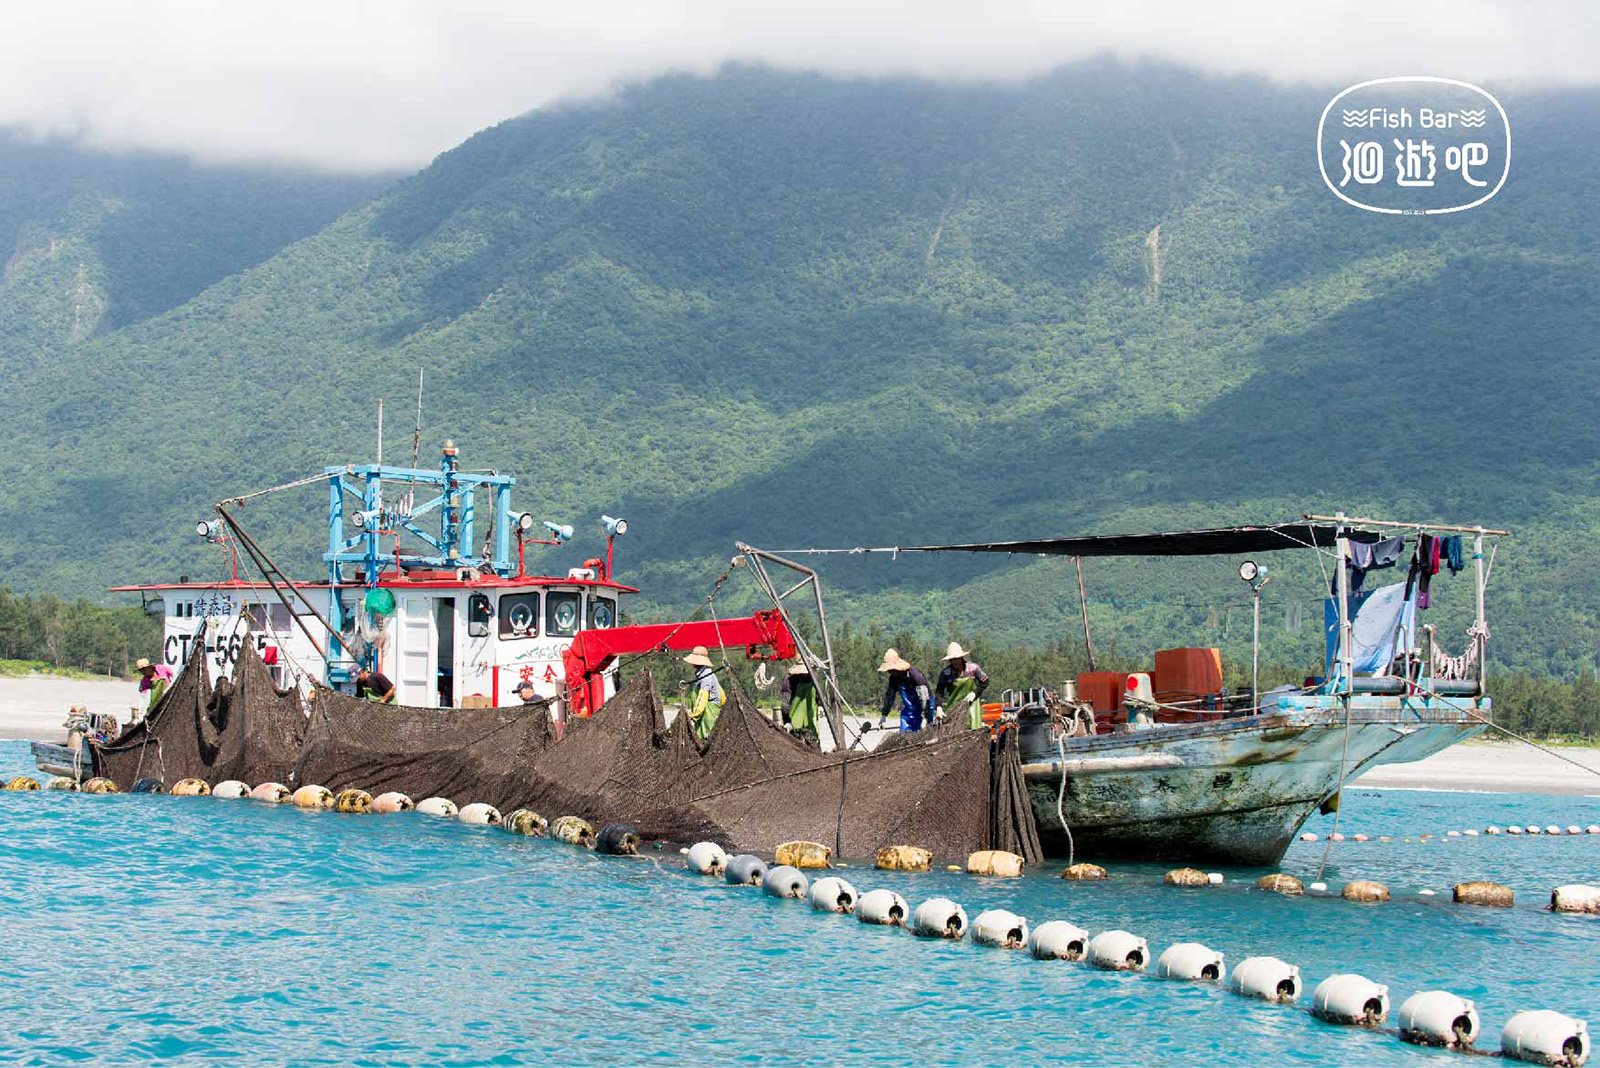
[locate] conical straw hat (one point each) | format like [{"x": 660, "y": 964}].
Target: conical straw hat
[{"x": 893, "y": 661}]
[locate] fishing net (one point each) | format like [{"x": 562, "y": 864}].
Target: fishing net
[
  {"x": 176, "y": 739},
  {"x": 753, "y": 785},
  {"x": 259, "y": 728},
  {"x": 466, "y": 754},
  {"x": 750, "y": 785}
]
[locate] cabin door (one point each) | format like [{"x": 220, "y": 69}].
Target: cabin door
[{"x": 417, "y": 653}]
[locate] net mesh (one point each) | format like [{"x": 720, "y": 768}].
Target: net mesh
[{"x": 749, "y": 786}]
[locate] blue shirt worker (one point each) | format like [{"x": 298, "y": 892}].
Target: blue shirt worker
[{"x": 911, "y": 686}]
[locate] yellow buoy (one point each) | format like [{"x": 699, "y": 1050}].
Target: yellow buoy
[
  {"x": 904, "y": 858},
  {"x": 313, "y": 797},
  {"x": 994, "y": 862},
  {"x": 191, "y": 788},
  {"x": 1365, "y": 890},
  {"x": 1280, "y": 883},
  {"x": 804, "y": 854},
  {"x": 61, "y": 782},
  {"x": 1483, "y": 892},
  {"x": 354, "y": 801},
  {"x": 98, "y": 785},
  {"x": 23, "y": 782},
  {"x": 1186, "y": 877},
  {"x": 528, "y": 822},
  {"x": 1084, "y": 872},
  {"x": 573, "y": 830}
]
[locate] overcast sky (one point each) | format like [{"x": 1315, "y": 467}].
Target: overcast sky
[{"x": 390, "y": 83}]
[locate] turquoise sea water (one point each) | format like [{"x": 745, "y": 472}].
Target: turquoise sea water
[{"x": 207, "y": 931}]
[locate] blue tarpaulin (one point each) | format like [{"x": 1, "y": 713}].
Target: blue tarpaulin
[{"x": 1377, "y": 618}]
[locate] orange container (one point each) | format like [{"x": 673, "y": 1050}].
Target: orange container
[
  {"x": 1103, "y": 690},
  {"x": 991, "y": 712},
  {"x": 1194, "y": 672}
]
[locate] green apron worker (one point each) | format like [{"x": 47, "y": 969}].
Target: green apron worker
[
  {"x": 154, "y": 680},
  {"x": 799, "y": 692},
  {"x": 706, "y": 705},
  {"x": 961, "y": 685}
]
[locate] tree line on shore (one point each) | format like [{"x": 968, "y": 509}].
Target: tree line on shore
[{"x": 59, "y": 635}]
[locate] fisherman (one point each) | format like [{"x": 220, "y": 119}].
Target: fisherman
[
  {"x": 961, "y": 685},
  {"x": 799, "y": 692},
  {"x": 153, "y": 679},
  {"x": 707, "y": 703},
  {"x": 374, "y": 686},
  {"x": 911, "y": 686},
  {"x": 525, "y": 692}
]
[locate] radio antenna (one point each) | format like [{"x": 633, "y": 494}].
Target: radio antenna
[{"x": 416, "y": 435}]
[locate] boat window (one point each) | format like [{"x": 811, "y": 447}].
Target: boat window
[
  {"x": 602, "y": 613},
  {"x": 478, "y": 615},
  {"x": 519, "y": 615},
  {"x": 561, "y": 615}
]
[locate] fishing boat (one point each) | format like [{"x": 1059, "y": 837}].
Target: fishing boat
[
  {"x": 427, "y": 583},
  {"x": 1166, "y": 763}
]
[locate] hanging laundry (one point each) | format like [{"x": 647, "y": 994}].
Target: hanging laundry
[
  {"x": 1428, "y": 548},
  {"x": 1454, "y": 554},
  {"x": 1373, "y": 556}
]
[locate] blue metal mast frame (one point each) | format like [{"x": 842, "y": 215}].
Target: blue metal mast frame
[{"x": 455, "y": 501}]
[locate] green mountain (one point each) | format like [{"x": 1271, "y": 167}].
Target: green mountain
[
  {"x": 804, "y": 311},
  {"x": 95, "y": 241}
]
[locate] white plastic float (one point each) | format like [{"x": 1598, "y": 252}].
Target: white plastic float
[
  {"x": 746, "y": 869},
  {"x": 784, "y": 880},
  {"x": 833, "y": 894},
  {"x": 1192, "y": 961},
  {"x": 1575, "y": 897},
  {"x": 1546, "y": 1037},
  {"x": 707, "y": 858},
  {"x": 998, "y": 927},
  {"x": 230, "y": 789},
  {"x": 1118, "y": 951},
  {"x": 939, "y": 917},
  {"x": 1267, "y": 978},
  {"x": 1350, "y": 999},
  {"x": 442, "y": 807},
  {"x": 1058, "y": 940},
  {"x": 273, "y": 793},
  {"x": 393, "y": 801},
  {"x": 884, "y": 907},
  {"x": 1438, "y": 1018},
  {"x": 479, "y": 814}
]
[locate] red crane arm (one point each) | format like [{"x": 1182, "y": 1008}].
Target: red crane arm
[{"x": 764, "y": 635}]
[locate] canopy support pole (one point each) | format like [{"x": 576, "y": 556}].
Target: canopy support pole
[{"x": 1083, "y": 609}]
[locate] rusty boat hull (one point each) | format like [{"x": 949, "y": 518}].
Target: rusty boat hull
[{"x": 1235, "y": 791}]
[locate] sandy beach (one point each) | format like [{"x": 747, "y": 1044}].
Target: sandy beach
[
  {"x": 35, "y": 706},
  {"x": 1509, "y": 767}
]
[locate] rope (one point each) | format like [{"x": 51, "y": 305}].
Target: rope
[
  {"x": 1344, "y": 757},
  {"x": 274, "y": 489},
  {"x": 1061, "y": 796}
]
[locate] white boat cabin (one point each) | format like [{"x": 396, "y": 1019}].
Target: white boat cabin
[{"x": 451, "y": 641}]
